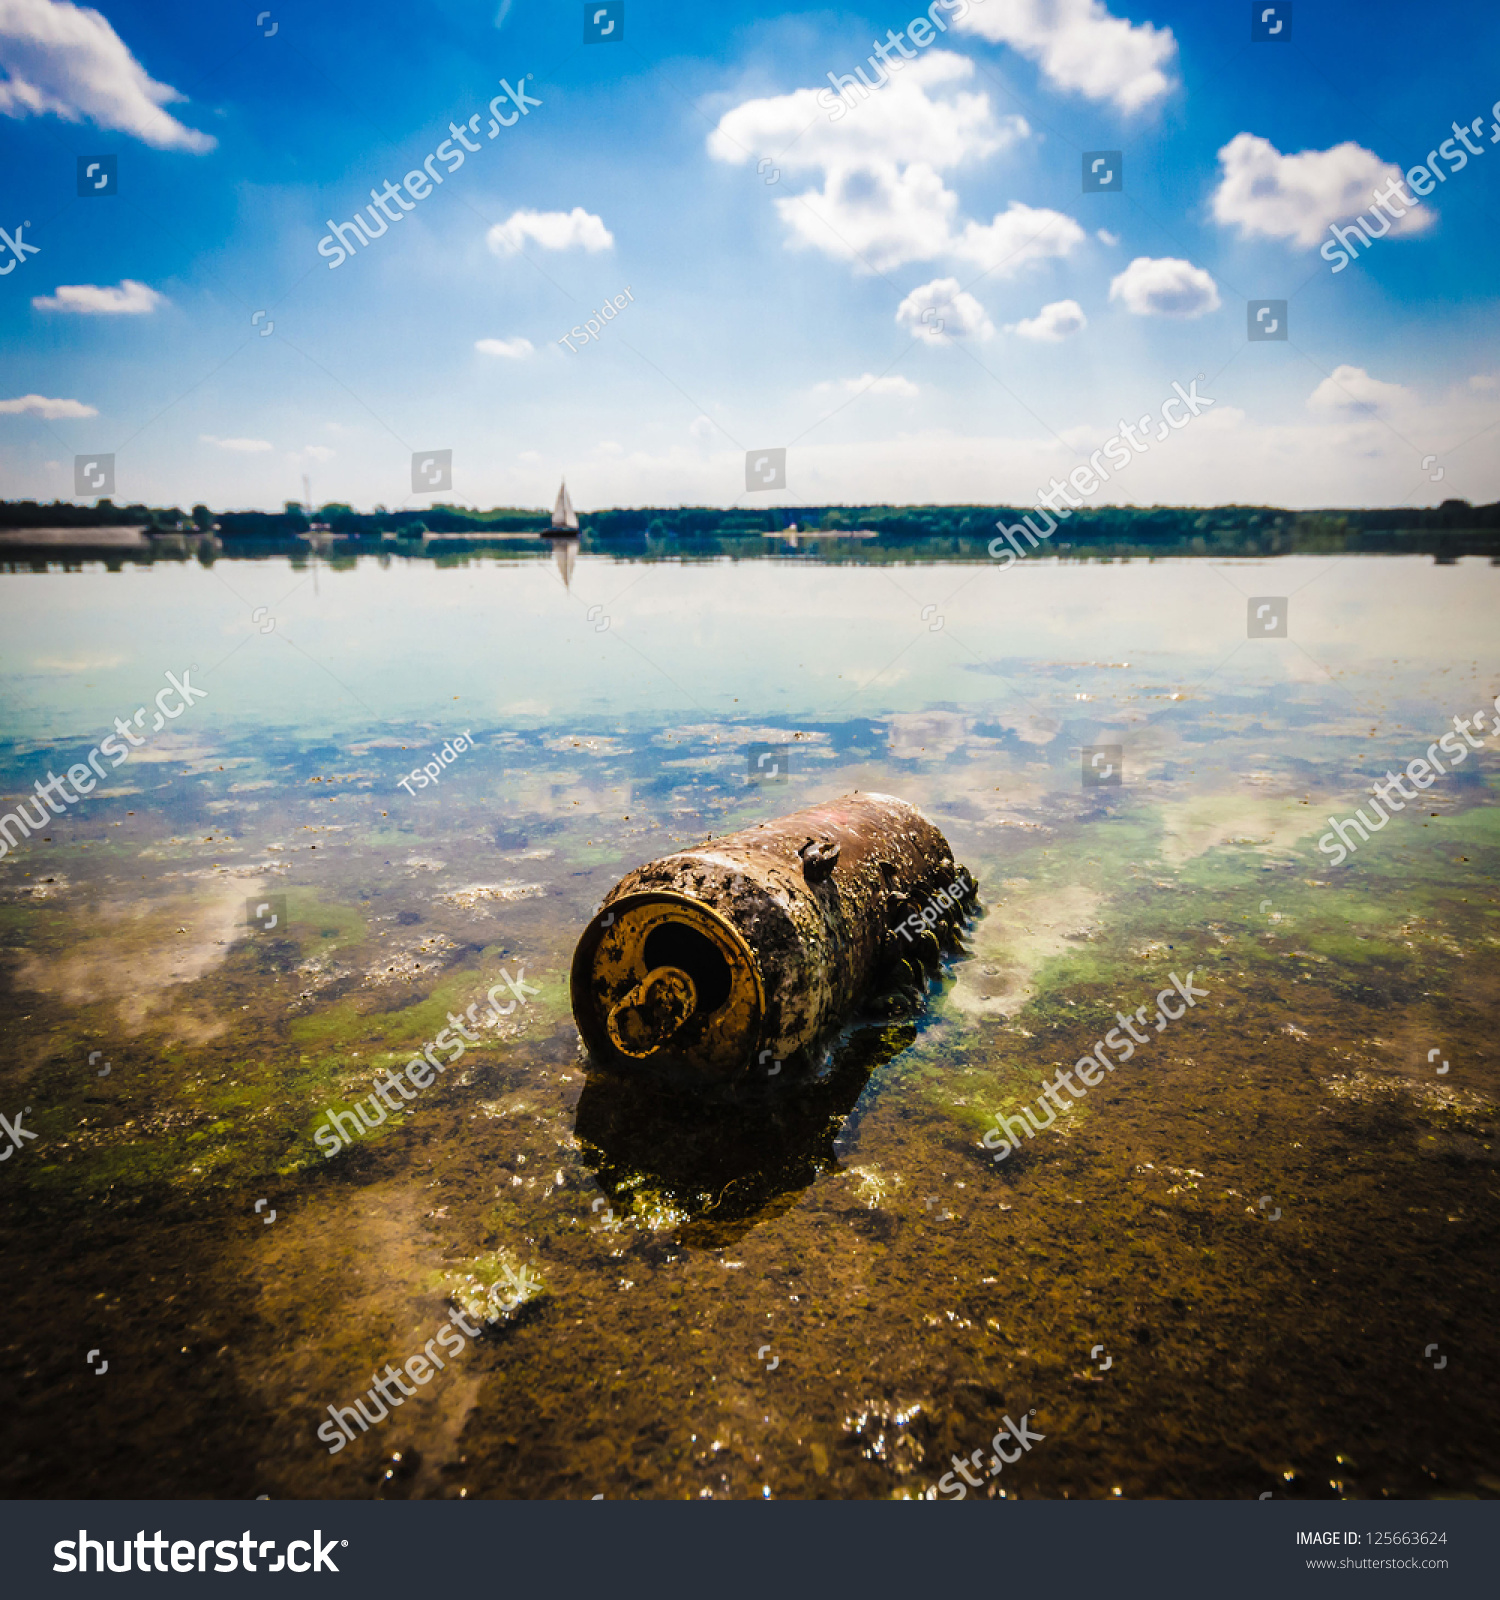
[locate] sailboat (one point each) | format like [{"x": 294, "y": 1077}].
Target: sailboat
[
  {"x": 564, "y": 518},
  {"x": 564, "y": 534}
]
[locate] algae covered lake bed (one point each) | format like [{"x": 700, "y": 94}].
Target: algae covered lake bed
[{"x": 1261, "y": 1257}]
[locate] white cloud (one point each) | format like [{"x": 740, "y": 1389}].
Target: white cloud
[
  {"x": 516, "y": 349},
  {"x": 1079, "y": 45},
  {"x": 68, "y": 61},
  {"x": 898, "y": 124},
  {"x": 890, "y": 383},
  {"x": 1104, "y": 236},
  {"x": 1297, "y": 197},
  {"x": 311, "y": 452},
  {"x": 1016, "y": 236},
  {"x": 953, "y": 313},
  {"x": 1165, "y": 287},
  {"x": 883, "y": 202},
  {"x": 41, "y": 406},
  {"x": 1351, "y": 391},
  {"x": 1052, "y": 323},
  {"x": 882, "y": 217},
  {"x": 129, "y": 299},
  {"x": 243, "y": 446},
  {"x": 552, "y": 230},
  {"x": 703, "y": 429}
]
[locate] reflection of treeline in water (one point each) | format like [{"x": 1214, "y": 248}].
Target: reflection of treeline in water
[{"x": 933, "y": 532}]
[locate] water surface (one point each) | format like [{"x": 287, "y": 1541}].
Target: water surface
[{"x": 829, "y": 1289}]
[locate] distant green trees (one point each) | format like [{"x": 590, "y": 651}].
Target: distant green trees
[{"x": 959, "y": 529}]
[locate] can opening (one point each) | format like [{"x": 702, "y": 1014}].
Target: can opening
[
  {"x": 675, "y": 944},
  {"x": 663, "y": 977}
]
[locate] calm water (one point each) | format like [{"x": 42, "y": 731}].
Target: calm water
[{"x": 1260, "y": 1224}]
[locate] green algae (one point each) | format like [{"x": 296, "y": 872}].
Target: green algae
[{"x": 852, "y": 1224}]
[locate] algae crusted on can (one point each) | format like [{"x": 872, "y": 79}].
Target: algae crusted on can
[{"x": 744, "y": 950}]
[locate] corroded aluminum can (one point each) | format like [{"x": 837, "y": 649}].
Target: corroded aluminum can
[{"x": 743, "y": 952}]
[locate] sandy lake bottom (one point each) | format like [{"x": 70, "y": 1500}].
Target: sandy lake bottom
[{"x": 1263, "y": 1256}]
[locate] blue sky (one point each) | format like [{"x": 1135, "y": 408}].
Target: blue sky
[{"x": 801, "y": 312}]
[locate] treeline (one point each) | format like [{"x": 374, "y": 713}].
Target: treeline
[
  {"x": 285, "y": 524},
  {"x": 1243, "y": 529}
]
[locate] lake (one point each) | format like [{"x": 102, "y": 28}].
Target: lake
[{"x": 1260, "y": 1258}]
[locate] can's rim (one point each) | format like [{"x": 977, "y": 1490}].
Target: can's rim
[{"x": 587, "y": 1013}]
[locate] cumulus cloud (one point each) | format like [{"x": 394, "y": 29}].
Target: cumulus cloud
[
  {"x": 1052, "y": 323},
  {"x": 311, "y": 452},
  {"x": 247, "y": 447},
  {"x": 516, "y": 349},
  {"x": 552, "y": 230},
  {"x": 1352, "y": 392},
  {"x": 1079, "y": 45},
  {"x": 1018, "y": 235},
  {"x": 1165, "y": 287},
  {"x": 891, "y": 383},
  {"x": 901, "y": 123},
  {"x": 882, "y": 200},
  {"x": 129, "y": 299},
  {"x": 1296, "y": 197},
  {"x": 67, "y": 61},
  {"x": 941, "y": 309},
  {"x": 39, "y": 405},
  {"x": 882, "y": 216}
]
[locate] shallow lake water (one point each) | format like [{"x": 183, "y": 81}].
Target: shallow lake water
[{"x": 1261, "y": 1257}]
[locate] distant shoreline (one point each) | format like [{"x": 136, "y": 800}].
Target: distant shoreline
[
  {"x": 1267, "y": 529},
  {"x": 874, "y": 536}
]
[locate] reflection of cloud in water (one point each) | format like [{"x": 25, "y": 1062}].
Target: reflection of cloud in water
[
  {"x": 1268, "y": 823},
  {"x": 590, "y": 743},
  {"x": 917, "y": 734},
  {"x": 1029, "y": 727},
  {"x": 1012, "y": 943},
  {"x": 736, "y": 734},
  {"x": 468, "y": 899},
  {"x": 165, "y": 748},
  {"x": 131, "y": 952}
]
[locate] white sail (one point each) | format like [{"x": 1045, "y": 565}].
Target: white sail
[{"x": 564, "y": 518}]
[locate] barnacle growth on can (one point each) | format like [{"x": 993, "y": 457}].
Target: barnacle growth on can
[{"x": 747, "y": 949}]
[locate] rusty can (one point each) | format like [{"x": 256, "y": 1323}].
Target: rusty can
[{"x": 744, "y": 951}]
